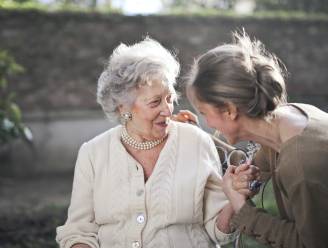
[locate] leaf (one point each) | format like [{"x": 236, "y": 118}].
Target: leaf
[
  {"x": 3, "y": 83},
  {"x": 15, "y": 113},
  {"x": 7, "y": 124},
  {"x": 11, "y": 96},
  {"x": 28, "y": 134},
  {"x": 11, "y": 125}
]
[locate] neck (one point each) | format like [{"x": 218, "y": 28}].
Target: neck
[
  {"x": 146, "y": 145},
  {"x": 136, "y": 133},
  {"x": 261, "y": 131}
]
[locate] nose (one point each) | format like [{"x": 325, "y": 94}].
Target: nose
[{"x": 167, "y": 109}]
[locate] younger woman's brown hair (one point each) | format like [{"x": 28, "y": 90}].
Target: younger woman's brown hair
[{"x": 242, "y": 73}]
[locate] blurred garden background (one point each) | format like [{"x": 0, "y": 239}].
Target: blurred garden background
[{"x": 52, "y": 52}]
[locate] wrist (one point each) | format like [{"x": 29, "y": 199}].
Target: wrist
[
  {"x": 224, "y": 218},
  {"x": 237, "y": 201},
  {"x": 238, "y": 205}
]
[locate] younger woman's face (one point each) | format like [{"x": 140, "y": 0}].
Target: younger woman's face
[
  {"x": 152, "y": 110},
  {"x": 219, "y": 119}
]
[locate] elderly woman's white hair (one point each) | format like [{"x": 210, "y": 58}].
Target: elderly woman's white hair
[{"x": 130, "y": 67}]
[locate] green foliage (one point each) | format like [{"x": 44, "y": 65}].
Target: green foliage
[
  {"x": 316, "y": 6},
  {"x": 11, "y": 125},
  {"x": 60, "y": 5},
  {"x": 22, "y": 4},
  {"x": 277, "y": 14},
  {"x": 198, "y": 6},
  {"x": 203, "y": 6}
]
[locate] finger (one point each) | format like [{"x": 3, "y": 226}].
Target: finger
[
  {"x": 179, "y": 117},
  {"x": 231, "y": 169},
  {"x": 244, "y": 187},
  {"x": 187, "y": 112},
  {"x": 249, "y": 175},
  {"x": 189, "y": 115},
  {"x": 242, "y": 167},
  {"x": 246, "y": 192},
  {"x": 238, "y": 185},
  {"x": 254, "y": 167},
  {"x": 174, "y": 117},
  {"x": 252, "y": 170},
  {"x": 241, "y": 177}
]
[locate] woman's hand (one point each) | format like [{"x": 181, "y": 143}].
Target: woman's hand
[
  {"x": 243, "y": 175},
  {"x": 186, "y": 116},
  {"x": 236, "y": 199}
]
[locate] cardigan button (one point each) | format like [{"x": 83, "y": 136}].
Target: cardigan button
[
  {"x": 135, "y": 244},
  {"x": 140, "y": 218},
  {"x": 140, "y": 192}
]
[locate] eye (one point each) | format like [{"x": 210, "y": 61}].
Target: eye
[{"x": 154, "y": 103}]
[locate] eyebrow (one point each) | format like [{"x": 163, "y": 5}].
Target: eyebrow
[
  {"x": 151, "y": 98},
  {"x": 159, "y": 95}
]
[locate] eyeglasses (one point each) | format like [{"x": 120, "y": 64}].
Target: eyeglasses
[
  {"x": 230, "y": 155},
  {"x": 234, "y": 157}
]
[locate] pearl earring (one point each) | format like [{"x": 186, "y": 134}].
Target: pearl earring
[{"x": 126, "y": 116}]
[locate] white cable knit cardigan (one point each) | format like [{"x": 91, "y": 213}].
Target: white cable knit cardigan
[{"x": 112, "y": 206}]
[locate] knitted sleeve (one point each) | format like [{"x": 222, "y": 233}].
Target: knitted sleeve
[
  {"x": 80, "y": 226},
  {"x": 214, "y": 198}
]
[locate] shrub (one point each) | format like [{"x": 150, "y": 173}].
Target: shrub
[{"x": 11, "y": 125}]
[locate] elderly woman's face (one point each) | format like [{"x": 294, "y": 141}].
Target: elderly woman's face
[{"x": 152, "y": 110}]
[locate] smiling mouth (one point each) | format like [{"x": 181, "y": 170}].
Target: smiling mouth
[{"x": 163, "y": 123}]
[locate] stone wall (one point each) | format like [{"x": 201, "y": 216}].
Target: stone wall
[{"x": 63, "y": 54}]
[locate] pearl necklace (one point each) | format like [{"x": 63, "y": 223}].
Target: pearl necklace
[{"x": 146, "y": 145}]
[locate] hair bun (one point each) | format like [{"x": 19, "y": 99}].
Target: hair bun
[{"x": 269, "y": 92}]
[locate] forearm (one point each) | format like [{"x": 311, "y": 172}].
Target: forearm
[
  {"x": 224, "y": 218},
  {"x": 218, "y": 228},
  {"x": 265, "y": 228}
]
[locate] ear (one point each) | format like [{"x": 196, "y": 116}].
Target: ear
[
  {"x": 122, "y": 109},
  {"x": 231, "y": 111}
]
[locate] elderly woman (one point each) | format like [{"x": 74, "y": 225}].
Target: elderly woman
[
  {"x": 240, "y": 90},
  {"x": 150, "y": 182}
]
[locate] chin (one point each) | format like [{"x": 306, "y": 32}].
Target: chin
[
  {"x": 160, "y": 130},
  {"x": 231, "y": 140},
  {"x": 161, "y": 133}
]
